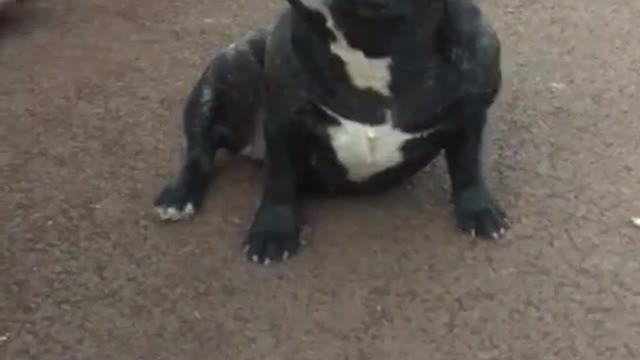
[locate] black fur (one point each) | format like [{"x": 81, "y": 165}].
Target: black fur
[{"x": 286, "y": 84}]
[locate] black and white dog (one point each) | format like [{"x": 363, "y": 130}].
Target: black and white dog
[{"x": 346, "y": 95}]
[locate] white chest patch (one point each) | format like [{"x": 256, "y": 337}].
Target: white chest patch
[
  {"x": 365, "y": 150},
  {"x": 364, "y": 72}
]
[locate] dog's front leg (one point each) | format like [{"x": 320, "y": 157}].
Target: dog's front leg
[
  {"x": 274, "y": 234},
  {"x": 477, "y": 212}
]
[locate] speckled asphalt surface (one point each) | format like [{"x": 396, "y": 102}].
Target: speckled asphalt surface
[{"x": 90, "y": 97}]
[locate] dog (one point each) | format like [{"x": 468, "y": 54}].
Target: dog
[{"x": 346, "y": 96}]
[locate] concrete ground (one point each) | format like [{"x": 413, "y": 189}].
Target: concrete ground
[{"x": 90, "y": 97}]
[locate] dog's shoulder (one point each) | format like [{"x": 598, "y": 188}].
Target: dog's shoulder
[
  {"x": 468, "y": 28},
  {"x": 282, "y": 68},
  {"x": 473, "y": 44}
]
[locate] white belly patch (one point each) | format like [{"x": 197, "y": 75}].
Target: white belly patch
[{"x": 365, "y": 150}]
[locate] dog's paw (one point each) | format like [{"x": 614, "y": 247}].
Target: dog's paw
[
  {"x": 480, "y": 215},
  {"x": 174, "y": 204},
  {"x": 274, "y": 236}
]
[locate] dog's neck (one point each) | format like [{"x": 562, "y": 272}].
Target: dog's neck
[{"x": 374, "y": 37}]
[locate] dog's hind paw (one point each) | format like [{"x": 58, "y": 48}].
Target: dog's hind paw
[
  {"x": 173, "y": 205},
  {"x": 175, "y": 214}
]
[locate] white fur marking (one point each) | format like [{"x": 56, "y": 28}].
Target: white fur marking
[
  {"x": 173, "y": 214},
  {"x": 207, "y": 96},
  {"x": 364, "y": 72},
  {"x": 256, "y": 149},
  {"x": 365, "y": 150}
]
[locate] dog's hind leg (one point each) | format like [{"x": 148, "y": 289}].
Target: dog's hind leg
[{"x": 222, "y": 112}]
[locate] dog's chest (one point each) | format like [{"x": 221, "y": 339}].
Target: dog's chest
[{"x": 364, "y": 150}]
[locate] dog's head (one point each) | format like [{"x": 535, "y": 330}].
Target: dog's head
[
  {"x": 366, "y": 9},
  {"x": 376, "y": 27},
  {"x": 375, "y": 9}
]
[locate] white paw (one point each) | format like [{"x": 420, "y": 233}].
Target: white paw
[{"x": 175, "y": 214}]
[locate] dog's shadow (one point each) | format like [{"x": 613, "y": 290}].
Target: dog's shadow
[{"x": 23, "y": 19}]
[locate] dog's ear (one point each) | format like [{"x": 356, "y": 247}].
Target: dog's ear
[
  {"x": 308, "y": 9},
  {"x": 298, "y": 5},
  {"x": 307, "y": 5}
]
